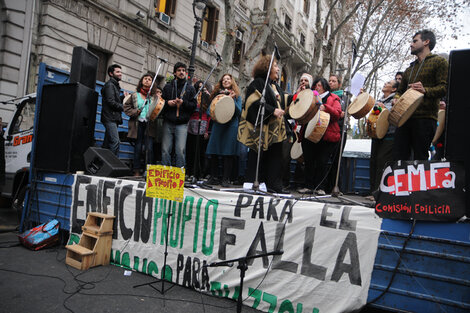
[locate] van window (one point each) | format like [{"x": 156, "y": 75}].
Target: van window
[{"x": 24, "y": 120}]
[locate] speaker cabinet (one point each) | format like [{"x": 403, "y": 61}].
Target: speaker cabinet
[
  {"x": 84, "y": 67},
  {"x": 458, "y": 110},
  {"x": 66, "y": 127},
  {"x": 457, "y": 137},
  {"x": 102, "y": 162}
]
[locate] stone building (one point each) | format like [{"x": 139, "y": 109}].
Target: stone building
[{"x": 133, "y": 33}]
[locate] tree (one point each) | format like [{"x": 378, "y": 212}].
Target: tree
[{"x": 259, "y": 33}]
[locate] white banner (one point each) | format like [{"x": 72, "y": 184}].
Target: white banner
[{"x": 329, "y": 250}]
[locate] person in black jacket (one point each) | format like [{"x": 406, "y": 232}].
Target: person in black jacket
[
  {"x": 179, "y": 105},
  {"x": 112, "y": 108},
  {"x": 276, "y": 129}
]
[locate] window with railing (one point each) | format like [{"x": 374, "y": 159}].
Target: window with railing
[{"x": 288, "y": 22}]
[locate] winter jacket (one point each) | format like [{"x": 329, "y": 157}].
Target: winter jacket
[
  {"x": 111, "y": 102},
  {"x": 333, "y": 107},
  {"x": 173, "y": 90}
]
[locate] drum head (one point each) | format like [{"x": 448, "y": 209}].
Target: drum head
[
  {"x": 358, "y": 103},
  {"x": 224, "y": 109},
  {"x": 296, "y": 151},
  {"x": 382, "y": 124},
  {"x": 311, "y": 125},
  {"x": 441, "y": 119},
  {"x": 126, "y": 98},
  {"x": 301, "y": 105}
]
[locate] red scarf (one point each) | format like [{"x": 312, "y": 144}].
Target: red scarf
[{"x": 144, "y": 91}]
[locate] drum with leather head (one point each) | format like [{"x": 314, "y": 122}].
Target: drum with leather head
[
  {"x": 222, "y": 108},
  {"x": 377, "y": 123},
  {"x": 156, "y": 108},
  {"x": 441, "y": 123},
  {"x": 296, "y": 152},
  {"x": 304, "y": 107},
  {"x": 405, "y": 107},
  {"x": 361, "y": 105},
  {"x": 317, "y": 126}
]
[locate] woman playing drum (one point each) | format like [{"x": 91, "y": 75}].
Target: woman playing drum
[
  {"x": 382, "y": 149},
  {"x": 316, "y": 155},
  {"x": 140, "y": 129},
  {"x": 275, "y": 126},
  {"x": 223, "y": 139}
]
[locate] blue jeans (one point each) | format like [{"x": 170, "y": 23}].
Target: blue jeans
[
  {"x": 177, "y": 133},
  {"x": 143, "y": 140},
  {"x": 111, "y": 137}
]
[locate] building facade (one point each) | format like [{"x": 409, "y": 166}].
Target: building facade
[{"x": 133, "y": 33}]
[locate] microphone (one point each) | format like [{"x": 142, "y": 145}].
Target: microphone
[
  {"x": 219, "y": 58},
  {"x": 276, "y": 52},
  {"x": 162, "y": 59}
]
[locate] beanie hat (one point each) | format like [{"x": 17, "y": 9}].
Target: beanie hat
[{"x": 309, "y": 78}]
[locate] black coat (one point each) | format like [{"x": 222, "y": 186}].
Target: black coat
[
  {"x": 111, "y": 102},
  {"x": 171, "y": 91}
]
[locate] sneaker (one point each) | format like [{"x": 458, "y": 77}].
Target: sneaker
[
  {"x": 304, "y": 190},
  {"x": 320, "y": 192}
]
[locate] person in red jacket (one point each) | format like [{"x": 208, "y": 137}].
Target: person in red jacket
[{"x": 316, "y": 155}]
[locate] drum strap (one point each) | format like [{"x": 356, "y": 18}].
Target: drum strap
[{"x": 411, "y": 72}]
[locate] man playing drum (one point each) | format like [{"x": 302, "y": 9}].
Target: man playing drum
[
  {"x": 427, "y": 75},
  {"x": 382, "y": 149}
]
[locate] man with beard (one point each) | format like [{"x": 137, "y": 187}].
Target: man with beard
[
  {"x": 179, "y": 104},
  {"x": 112, "y": 108},
  {"x": 428, "y": 75}
]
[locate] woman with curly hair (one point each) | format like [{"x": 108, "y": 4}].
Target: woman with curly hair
[
  {"x": 140, "y": 128},
  {"x": 223, "y": 139},
  {"x": 276, "y": 128}
]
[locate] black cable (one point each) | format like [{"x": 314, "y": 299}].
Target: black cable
[{"x": 395, "y": 270}]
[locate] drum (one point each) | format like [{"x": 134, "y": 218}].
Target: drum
[
  {"x": 317, "y": 126},
  {"x": 296, "y": 152},
  {"x": 361, "y": 105},
  {"x": 222, "y": 109},
  {"x": 377, "y": 124},
  {"x": 304, "y": 108},
  {"x": 404, "y": 107},
  {"x": 156, "y": 108},
  {"x": 441, "y": 119}
]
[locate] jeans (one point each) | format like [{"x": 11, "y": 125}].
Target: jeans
[
  {"x": 111, "y": 137},
  {"x": 143, "y": 139},
  {"x": 177, "y": 133}
]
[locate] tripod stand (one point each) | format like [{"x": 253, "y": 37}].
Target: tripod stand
[
  {"x": 162, "y": 279},
  {"x": 243, "y": 267}
]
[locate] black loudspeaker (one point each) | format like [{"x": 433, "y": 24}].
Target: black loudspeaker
[
  {"x": 84, "y": 67},
  {"x": 457, "y": 137},
  {"x": 103, "y": 162},
  {"x": 66, "y": 127}
]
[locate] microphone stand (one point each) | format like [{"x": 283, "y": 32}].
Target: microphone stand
[
  {"x": 260, "y": 117},
  {"x": 197, "y": 161},
  {"x": 243, "y": 267},
  {"x": 336, "y": 191},
  {"x": 147, "y": 127}
]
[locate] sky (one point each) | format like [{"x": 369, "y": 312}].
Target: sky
[{"x": 463, "y": 40}]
